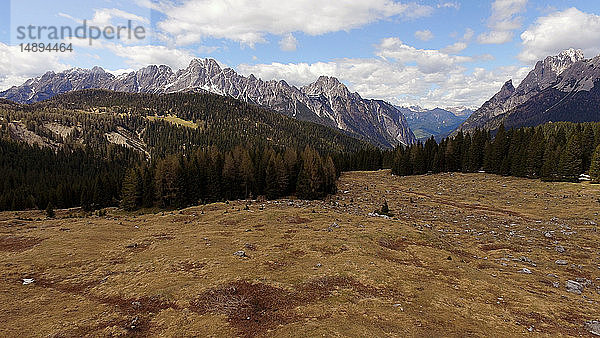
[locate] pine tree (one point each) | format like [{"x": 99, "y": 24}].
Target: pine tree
[
  {"x": 273, "y": 178},
  {"x": 131, "y": 191},
  {"x": 587, "y": 143},
  {"x": 50, "y": 210},
  {"x": 498, "y": 163},
  {"x": 330, "y": 176},
  {"x": 572, "y": 158},
  {"x": 535, "y": 154},
  {"x": 549, "y": 171},
  {"x": 595, "y": 166},
  {"x": 310, "y": 180}
]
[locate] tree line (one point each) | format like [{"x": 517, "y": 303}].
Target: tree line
[
  {"x": 210, "y": 175},
  {"x": 552, "y": 152}
]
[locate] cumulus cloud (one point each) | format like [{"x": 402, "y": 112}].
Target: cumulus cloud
[
  {"x": 504, "y": 20},
  {"x": 424, "y": 35},
  {"x": 551, "y": 34},
  {"x": 143, "y": 55},
  {"x": 428, "y": 60},
  {"x": 398, "y": 84},
  {"x": 455, "y": 48},
  {"x": 249, "y": 21},
  {"x": 288, "y": 43},
  {"x": 16, "y": 67},
  {"x": 399, "y": 79}
]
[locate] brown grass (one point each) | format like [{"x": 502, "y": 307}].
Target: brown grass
[{"x": 447, "y": 264}]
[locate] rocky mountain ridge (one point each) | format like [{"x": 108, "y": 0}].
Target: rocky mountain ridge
[
  {"x": 326, "y": 101},
  {"x": 559, "y": 88}
]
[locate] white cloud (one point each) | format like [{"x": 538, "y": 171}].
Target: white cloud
[
  {"x": 16, "y": 67},
  {"x": 104, "y": 17},
  {"x": 249, "y": 21},
  {"x": 424, "y": 35},
  {"x": 428, "y": 60},
  {"x": 551, "y": 34},
  {"x": 495, "y": 37},
  {"x": 141, "y": 56},
  {"x": 387, "y": 80},
  {"x": 400, "y": 79},
  {"x": 504, "y": 20},
  {"x": 288, "y": 43},
  {"x": 454, "y": 5},
  {"x": 455, "y": 48},
  {"x": 469, "y": 33}
]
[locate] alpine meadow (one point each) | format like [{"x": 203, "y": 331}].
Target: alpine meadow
[{"x": 218, "y": 168}]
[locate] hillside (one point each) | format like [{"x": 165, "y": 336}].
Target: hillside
[
  {"x": 83, "y": 148},
  {"x": 326, "y": 101},
  {"x": 145, "y": 122},
  {"x": 465, "y": 254}
]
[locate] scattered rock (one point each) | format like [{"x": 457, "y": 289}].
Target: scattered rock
[
  {"x": 593, "y": 327},
  {"x": 27, "y": 281},
  {"x": 560, "y": 249},
  {"x": 574, "y": 287},
  {"x": 240, "y": 253},
  {"x": 525, "y": 270},
  {"x": 134, "y": 323},
  {"x": 333, "y": 226},
  {"x": 561, "y": 262}
]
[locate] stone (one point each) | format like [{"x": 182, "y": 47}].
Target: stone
[
  {"x": 27, "y": 281},
  {"x": 240, "y": 253},
  {"x": 525, "y": 270},
  {"x": 574, "y": 287},
  {"x": 593, "y": 327},
  {"x": 561, "y": 262},
  {"x": 560, "y": 249}
]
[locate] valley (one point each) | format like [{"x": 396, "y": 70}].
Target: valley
[{"x": 462, "y": 255}]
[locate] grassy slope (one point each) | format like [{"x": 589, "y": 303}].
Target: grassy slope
[{"x": 446, "y": 265}]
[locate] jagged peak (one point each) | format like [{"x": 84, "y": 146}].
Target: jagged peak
[
  {"x": 326, "y": 85},
  {"x": 564, "y": 60},
  {"x": 572, "y": 53},
  {"x": 508, "y": 85},
  {"x": 98, "y": 69},
  {"x": 205, "y": 63}
]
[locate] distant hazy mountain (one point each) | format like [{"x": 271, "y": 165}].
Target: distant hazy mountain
[
  {"x": 435, "y": 122},
  {"x": 326, "y": 101},
  {"x": 560, "y": 88}
]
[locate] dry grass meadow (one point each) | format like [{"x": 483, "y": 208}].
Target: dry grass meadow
[{"x": 463, "y": 255}]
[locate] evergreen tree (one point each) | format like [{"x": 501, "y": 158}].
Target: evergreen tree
[
  {"x": 50, "y": 210},
  {"x": 595, "y": 166},
  {"x": 310, "y": 179},
  {"x": 571, "y": 160},
  {"x": 131, "y": 192}
]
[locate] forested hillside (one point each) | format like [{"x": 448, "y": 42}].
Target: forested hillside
[
  {"x": 553, "y": 152},
  {"x": 171, "y": 150}
]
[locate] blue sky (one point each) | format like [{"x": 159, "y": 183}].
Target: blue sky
[{"x": 431, "y": 53}]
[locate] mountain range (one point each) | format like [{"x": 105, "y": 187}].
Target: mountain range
[
  {"x": 565, "y": 87},
  {"x": 435, "y": 122},
  {"x": 326, "y": 101}
]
